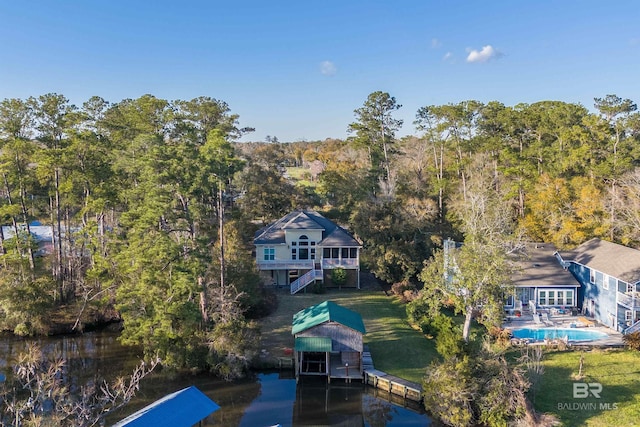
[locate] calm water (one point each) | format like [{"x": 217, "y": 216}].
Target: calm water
[{"x": 267, "y": 399}]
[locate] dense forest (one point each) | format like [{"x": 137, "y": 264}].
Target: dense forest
[{"x": 153, "y": 204}]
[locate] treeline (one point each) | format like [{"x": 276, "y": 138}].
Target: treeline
[
  {"x": 153, "y": 206},
  {"x": 562, "y": 174},
  {"x": 135, "y": 194}
]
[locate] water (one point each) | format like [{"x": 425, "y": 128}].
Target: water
[
  {"x": 572, "y": 334},
  {"x": 267, "y": 399}
]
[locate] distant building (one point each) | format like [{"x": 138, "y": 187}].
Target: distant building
[
  {"x": 42, "y": 234},
  {"x": 303, "y": 247}
]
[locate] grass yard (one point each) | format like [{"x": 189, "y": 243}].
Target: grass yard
[
  {"x": 617, "y": 370},
  {"x": 396, "y": 348}
]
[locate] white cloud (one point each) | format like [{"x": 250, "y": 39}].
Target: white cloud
[
  {"x": 328, "y": 68},
  {"x": 435, "y": 43},
  {"x": 447, "y": 56},
  {"x": 487, "y": 53}
]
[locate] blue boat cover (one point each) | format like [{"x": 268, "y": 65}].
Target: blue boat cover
[{"x": 183, "y": 408}]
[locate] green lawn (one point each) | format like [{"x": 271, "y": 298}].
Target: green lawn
[{"x": 617, "y": 370}]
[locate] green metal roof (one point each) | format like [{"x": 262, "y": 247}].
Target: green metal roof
[
  {"x": 327, "y": 311},
  {"x": 319, "y": 344}
]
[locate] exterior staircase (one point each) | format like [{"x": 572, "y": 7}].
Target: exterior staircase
[
  {"x": 306, "y": 279},
  {"x": 633, "y": 328}
]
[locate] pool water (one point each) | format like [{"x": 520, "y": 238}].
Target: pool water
[{"x": 572, "y": 334}]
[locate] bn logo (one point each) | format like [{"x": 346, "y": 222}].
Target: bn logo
[{"x": 583, "y": 390}]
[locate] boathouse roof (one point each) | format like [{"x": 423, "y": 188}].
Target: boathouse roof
[{"x": 327, "y": 311}]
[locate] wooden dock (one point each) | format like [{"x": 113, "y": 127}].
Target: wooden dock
[
  {"x": 389, "y": 383},
  {"x": 394, "y": 385}
]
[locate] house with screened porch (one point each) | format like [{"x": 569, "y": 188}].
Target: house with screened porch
[{"x": 304, "y": 247}]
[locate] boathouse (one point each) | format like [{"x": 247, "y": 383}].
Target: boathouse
[{"x": 328, "y": 342}]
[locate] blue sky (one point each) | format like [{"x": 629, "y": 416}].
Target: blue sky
[{"x": 298, "y": 69}]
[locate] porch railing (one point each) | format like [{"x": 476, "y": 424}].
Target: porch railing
[
  {"x": 307, "y": 278},
  {"x": 633, "y": 328},
  {"x": 349, "y": 263},
  {"x": 285, "y": 265},
  {"x": 630, "y": 301}
]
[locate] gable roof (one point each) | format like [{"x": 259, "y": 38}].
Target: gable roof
[
  {"x": 183, "y": 408},
  {"x": 615, "y": 260},
  {"x": 539, "y": 267},
  {"x": 274, "y": 233},
  {"x": 327, "y": 311}
]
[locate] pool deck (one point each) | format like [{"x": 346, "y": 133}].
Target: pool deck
[{"x": 614, "y": 339}]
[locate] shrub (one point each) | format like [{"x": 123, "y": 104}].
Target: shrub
[
  {"x": 339, "y": 277},
  {"x": 500, "y": 336},
  {"x": 632, "y": 340},
  {"x": 318, "y": 288}
]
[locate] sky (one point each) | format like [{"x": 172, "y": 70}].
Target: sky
[{"x": 297, "y": 70}]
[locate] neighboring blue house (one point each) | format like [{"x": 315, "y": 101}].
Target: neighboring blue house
[{"x": 609, "y": 277}]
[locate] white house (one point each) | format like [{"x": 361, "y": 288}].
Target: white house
[{"x": 304, "y": 247}]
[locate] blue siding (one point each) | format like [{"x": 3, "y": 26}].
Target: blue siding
[{"x": 596, "y": 301}]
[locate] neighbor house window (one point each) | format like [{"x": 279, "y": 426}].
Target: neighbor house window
[
  {"x": 568, "y": 297},
  {"x": 552, "y": 298},
  {"x": 599, "y": 278},
  {"x": 605, "y": 282},
  {"x": 555, "y": 297},
  {"x": 269, "y": 254},
  {"x": 542, "y": 297}
]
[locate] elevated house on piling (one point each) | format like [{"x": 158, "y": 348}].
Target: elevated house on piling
[
  {"x": 303, "y": 248},
  {"x": 328, "y": 342}
]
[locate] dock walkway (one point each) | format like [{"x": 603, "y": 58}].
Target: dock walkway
[{"x": 389, "y": 383}]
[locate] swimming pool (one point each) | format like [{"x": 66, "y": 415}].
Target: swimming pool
[{"x": 572, "y": 334}]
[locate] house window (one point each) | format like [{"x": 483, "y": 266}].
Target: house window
[
  {"x": 629, "y": 288},
  {"x": 313, "y": 253},
  {"x": 628, "y": 315},
  {"x": 556, "y": 297},
  {"x": 568, "y": 297},
  {"x": 509, "y": 301},
  {"x": 326, "y": 253},
  {"x": 592, "y": 276},
  {"x": 599, "y": 278},
  {"x": 605, "y": 282},
  {"x": 353, "y": 253},
  {"x": 269, "y": 254},
  {"x": 335, "y": 253},
  {"x": 345, "y": 253}
]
